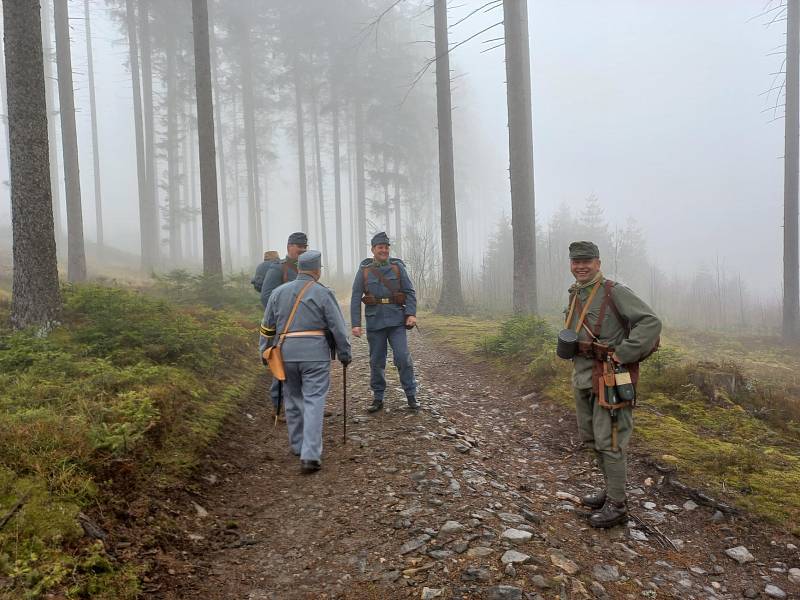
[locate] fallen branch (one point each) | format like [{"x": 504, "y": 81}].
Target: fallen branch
[
  {"x": 655, "y": 532},
  {"x": 14, "y": 509}
]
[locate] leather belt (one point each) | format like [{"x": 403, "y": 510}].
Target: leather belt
[
  {"x": 312, "y": 332},
  {"x": 383, "y": 300}
]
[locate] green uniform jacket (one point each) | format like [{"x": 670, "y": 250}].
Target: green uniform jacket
[{"x": 645, "y": 328}]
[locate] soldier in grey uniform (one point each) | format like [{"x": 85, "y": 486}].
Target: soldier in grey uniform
[
  {"x": 306, "y": 353},
  {"x": 284, "y": 270},
  {"x": 270, "y": 256},
  {"x": 278, "y": 273},
  {"x": 383, "y": 285}
]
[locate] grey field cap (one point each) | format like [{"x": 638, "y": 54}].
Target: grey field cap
[
  {"x": 380, "y": 238},
  {"x": 299, "y": 238},
  {"x": 310, "y": 260},
  {"x": 583, "y": 250}
]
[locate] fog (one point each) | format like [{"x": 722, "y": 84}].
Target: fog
[{"x": 654, "y": 108}]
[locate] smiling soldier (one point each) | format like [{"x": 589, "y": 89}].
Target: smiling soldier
[{"x": 616, "y": 330}]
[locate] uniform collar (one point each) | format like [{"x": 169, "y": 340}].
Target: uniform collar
[
  {"x": 303, "y": 276},
  {"x": 376, "y": 263},
  {"x": 292, "y": 262}
]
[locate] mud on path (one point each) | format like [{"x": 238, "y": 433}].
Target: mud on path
[{"x": 420, "y": 506}]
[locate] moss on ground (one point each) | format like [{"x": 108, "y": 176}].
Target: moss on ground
[
  {"x": 124, "y": 395},
  {"x": 725, "y": 410}
]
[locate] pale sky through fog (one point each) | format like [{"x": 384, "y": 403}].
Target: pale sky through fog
[{"x": 652, "y": 105}]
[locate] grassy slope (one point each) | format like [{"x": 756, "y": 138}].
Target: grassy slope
[
  {"x": 725, "y": 410},
  {"x": 123, "y": 397}
]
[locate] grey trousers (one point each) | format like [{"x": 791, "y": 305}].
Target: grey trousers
[
  {"x": 594, "y": 426},
  {"x": 304, "y": 393},
  {"x": 379, "y": 340}
]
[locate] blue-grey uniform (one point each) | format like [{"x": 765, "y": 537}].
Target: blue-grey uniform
[
  {"x": 306, "y": 352},
  {"x": 277, "y": 274},
  {"x": 385, "y": 320},
  {"x": 270, "y": 256}
]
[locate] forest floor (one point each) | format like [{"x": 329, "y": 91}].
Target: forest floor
[{"x": 469, "y": 498}]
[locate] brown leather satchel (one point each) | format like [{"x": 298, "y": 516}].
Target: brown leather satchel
[{"x": 273, "y": 354}]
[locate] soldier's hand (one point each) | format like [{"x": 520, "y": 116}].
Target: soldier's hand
[
  {"x": 411, "y": 320},
  {"x": 357, "y": 332},
  {"x": 345, "y": 360}
]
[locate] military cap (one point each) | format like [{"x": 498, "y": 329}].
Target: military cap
[
  {"x": 299, "y": 238},
  {"x": 271, "y": 255},
  {"x": 380, "y": 238},
  {"x": 310, "y": 260},
  {"x": 583, "y": 250}
]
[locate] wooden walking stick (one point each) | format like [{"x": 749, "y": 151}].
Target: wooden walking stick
[
  {"x": 280, "y": 402},
  {"x": 344, "y": 386}
]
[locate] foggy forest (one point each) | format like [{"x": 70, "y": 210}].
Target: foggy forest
[{"x": 155, "y": 150}]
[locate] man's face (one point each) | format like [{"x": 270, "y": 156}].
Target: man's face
[
  {"x": 381, "y": 252},
  {"x": 295, "y": 250},
  {"x": 584, "y": 269}
]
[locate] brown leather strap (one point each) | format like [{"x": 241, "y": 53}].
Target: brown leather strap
[
  {"x": 586, "y": 308},
  {"x": 285, "y": 268},
  {"x": 294, "y": 310},
  {"x": 385, "y": 281},
  {"x": 607, "y": 285}
]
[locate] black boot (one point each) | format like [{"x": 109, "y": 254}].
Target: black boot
[
  {"x": 412, "y": 403},
  {"x": 310, "y": 466},
  {"x": 613, "y": 513},
  {"x": 595, "y": 500},
  {"x": 377, "y": 404}
]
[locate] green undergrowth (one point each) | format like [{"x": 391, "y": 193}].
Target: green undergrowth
[
  {"x": 118, "y": 400},
  {"x": 724, "y": 410}
]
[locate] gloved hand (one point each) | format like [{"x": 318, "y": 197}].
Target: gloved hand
[
  {"x": 264, "y": 361},
  {"x": 345, "y": 360}
]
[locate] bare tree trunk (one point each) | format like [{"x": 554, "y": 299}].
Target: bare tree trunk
[
  {"x": 173, "y": 210},
  {"x": 520, "y": 146},
  {"x": 301, "y": 144},
  {"x": 398, "y": 231},
  {"x": 361, "y": 188},
  {"x": 193, "y": 222},
  {"x": 35, "y": 300},
  {"x": 791, "y": 264},
  {"x": 151, "y": 232},
  {"x": 248, "y": 114},
  {"x": 318, "y": 165},
  {"x": 337, "y": 181},
  {"x": 76, "y": 255},
  {"x": 98, "y": 200},
  {"x": 223, "y": 187},
  {"x": 387, "y": 207},
  {"x": 133, "y": 53},
  {"x": 451, "y": 300},
  {"x": 212, "y": 255},
  {"x": 50, "y": 95}
]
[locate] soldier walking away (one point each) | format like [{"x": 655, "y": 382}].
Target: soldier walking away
[
  {"x": 615, "y": 330},
  {"x": 308, "y": 340},
  {"x": 270, "y": 256},
  {"x": 277, "y": 274},
  {"x": 383, "y": 285}
]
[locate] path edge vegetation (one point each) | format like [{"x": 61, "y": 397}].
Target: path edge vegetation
[
  {"x": 117, "y": 404},
  {"x": 729, "y": 424}
]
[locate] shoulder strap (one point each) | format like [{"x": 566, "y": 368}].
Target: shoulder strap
[
  {"x": 613, "y": 305},
  {"x": 285, "y": 268},
  {"x": 364, "y": 276},
  {"x": 385, "y": 281},
  {"x": 294, "y": 309},
  {"x": 586, "y": 308},
  {"x": 607, "y": 285}
]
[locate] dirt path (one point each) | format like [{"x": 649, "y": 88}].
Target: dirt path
[{"x": 419, "y": 506}]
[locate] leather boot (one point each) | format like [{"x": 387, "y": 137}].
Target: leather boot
[
  {"x": 613, "y": 513},
  {"x": 412, "y": 403},
  {"x": 310, "y": 466},
  {"x": 377, "y": 404},
  {"x": 595, "y": 500}
]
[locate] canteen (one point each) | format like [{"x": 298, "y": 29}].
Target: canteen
[{"x": 567, "y": 347}]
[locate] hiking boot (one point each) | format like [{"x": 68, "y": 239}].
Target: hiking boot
[
  {"x": 376, "y": 405},
  {"x": 613, "y": 513},
  {"x": 412, "y": 403},
  {"x": 309, "y": 466},
  {"x": 595, "y": 500}
]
